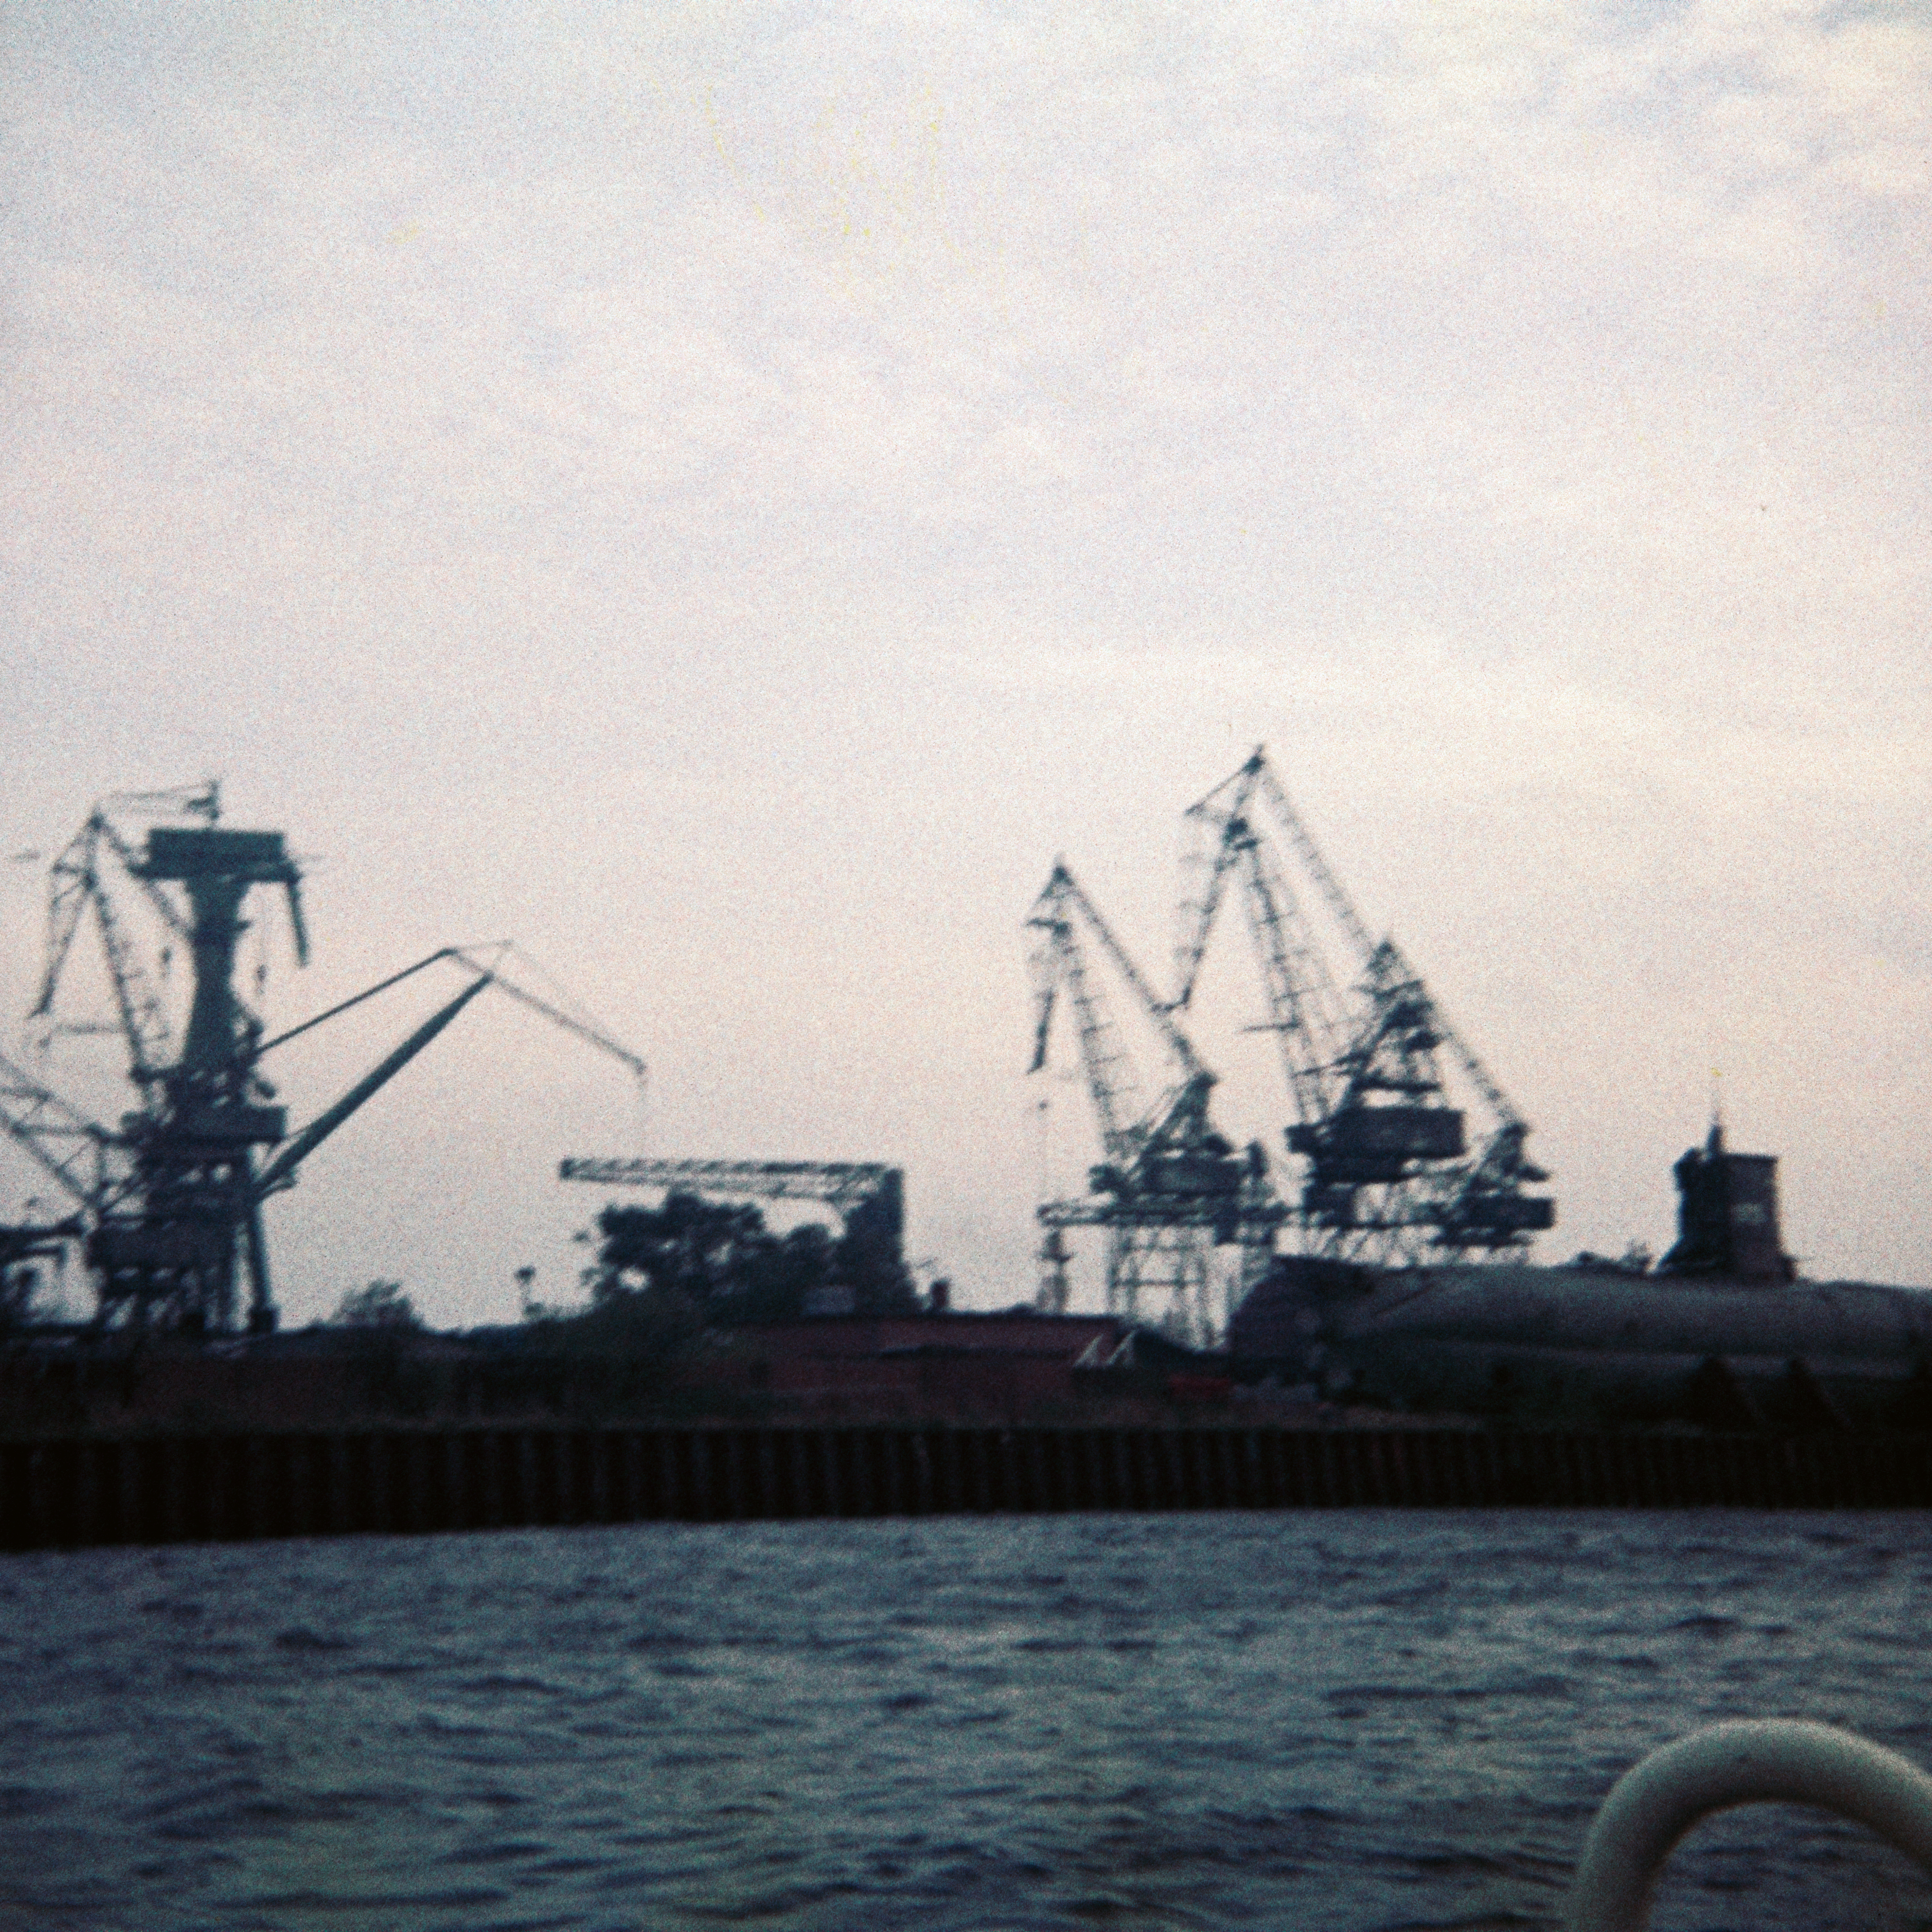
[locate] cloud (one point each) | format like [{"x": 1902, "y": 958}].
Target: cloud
[{"x": 727, "y": 495}]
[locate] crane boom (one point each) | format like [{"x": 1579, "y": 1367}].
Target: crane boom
[
  {"x": 67, "y": 902},
  {"x": 1303, "y": 1003},
  {"x": 582, "y": 1029},
  {"x": 43, "y": 1123},
  {"x": 1309, "y": 853},
  {"x": 312, "y": 1136},
  {"x": 1110, "y": 1081},
  {"x": 142, "y": 1018},
  {"x": 840, "y": 1182},
  {"x": 1062, "y": 888},
  {"x": 356, "y": 999},
  {"x": 1220, "y": 812},
  {"x": 76, "y": 884}
]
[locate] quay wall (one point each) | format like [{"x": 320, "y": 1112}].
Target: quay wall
[{"x": 158, "y": 1489}]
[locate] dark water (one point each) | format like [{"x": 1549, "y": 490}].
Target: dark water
[{"x": 1349, "y": 1720}]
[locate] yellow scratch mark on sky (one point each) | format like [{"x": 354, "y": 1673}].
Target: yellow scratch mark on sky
[
  {"x": 934, "y": 131},
  {"x": 408, "y": 232},
  {"x": 724, "y": 153}
]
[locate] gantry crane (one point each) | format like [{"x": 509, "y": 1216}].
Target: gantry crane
[
  {"x": 869, "y": 1196},
  {"x": 1170, "y": 1187},
  {"x": 169, "y": 1204},
  {"x": 1387, "y": 1175}
]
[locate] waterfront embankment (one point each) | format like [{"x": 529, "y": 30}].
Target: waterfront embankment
[{"x": 214, "y": 1487}]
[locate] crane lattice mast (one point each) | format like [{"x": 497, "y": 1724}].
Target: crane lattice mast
[
  {"x": 1172, "y": 1188},
  {"x": 170, "y": 1204},
  {"x": 1387, "y": 1176}
]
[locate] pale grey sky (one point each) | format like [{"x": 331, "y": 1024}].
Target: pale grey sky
[{"x": 724, "y": 494}]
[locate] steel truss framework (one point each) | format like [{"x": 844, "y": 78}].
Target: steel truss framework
[
  {"x": 1170, "y": 1188},
  {"x": 169, "y": 1204},
  {"x": 1387, "y": 1173},
  {"x": 841, "y": 1184},
  {"x": 869, "y": 1196}
]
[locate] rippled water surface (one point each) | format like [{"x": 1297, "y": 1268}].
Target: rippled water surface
[{"x": 1352, "y": 1720}]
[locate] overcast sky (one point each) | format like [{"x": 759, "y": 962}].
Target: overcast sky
[{"x": 724, "y": 495}]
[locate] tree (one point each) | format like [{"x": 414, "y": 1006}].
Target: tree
[
  {"x": 722, "y": 1261},
  {"x": 382, "y": 1304},
  {"x": 19, "y": 1298},
  {"x": 775, "y": 1275},
  {"x": 689, "y": 1246},
  {"x": 719, "y": 1260}
]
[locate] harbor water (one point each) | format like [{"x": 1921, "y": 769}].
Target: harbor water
[{"x": 1336, "y": 1721}]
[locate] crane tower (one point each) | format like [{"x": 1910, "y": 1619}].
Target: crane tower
[
  {"x": 181, "y": 1216},
  {"x": 1169, "y": 1189},
  {"x": 1373, "y": 1070},
  {"x": 168, "y": 1205}
]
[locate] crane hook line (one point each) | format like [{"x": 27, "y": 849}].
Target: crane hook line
[{"x": 368, "y": 993}]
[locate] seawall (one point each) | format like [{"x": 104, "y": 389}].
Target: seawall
[{"x": 77, "y": 1493}]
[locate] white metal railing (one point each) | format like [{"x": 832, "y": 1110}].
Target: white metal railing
[{"x": 1770, "y": 1760}]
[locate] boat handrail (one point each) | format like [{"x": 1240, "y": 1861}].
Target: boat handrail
[{"x": 1772, "y": 1760}]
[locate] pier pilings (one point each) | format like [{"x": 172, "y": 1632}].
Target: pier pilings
[{"x": 81, "y": 1492}]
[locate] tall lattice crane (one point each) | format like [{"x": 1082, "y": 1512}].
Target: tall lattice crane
[
  {"x": 168, "y": 1203},
  {"x": 1170, "y": 1188},
  {"x": 1387, "y": 1173},
  {"x": 165, "y": 1235}
]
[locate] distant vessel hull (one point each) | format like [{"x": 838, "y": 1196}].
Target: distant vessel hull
[{"x": 1595, "y": 1344}]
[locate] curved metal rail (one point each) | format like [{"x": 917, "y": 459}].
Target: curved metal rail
[{"x": 1769, "y": 1760}]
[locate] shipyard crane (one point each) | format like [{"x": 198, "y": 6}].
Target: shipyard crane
[
  {"x": 1171, "y": 1187},
  {"x": 78, "y": 884},
  {"x": 1388, "y": 1174},
  {"x": 168, "y": 1203},
  {"x": 164, "y": 1230},
  {"x": 868, "y": 1197}
]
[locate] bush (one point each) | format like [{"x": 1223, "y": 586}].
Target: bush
[{"x": 382, "y": 1304}]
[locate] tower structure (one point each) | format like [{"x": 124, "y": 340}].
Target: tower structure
[
  {"x": 170, "y": 1236},
  {"x": 1727, "y": 1215},
  {"x": 1170, "y": 1189},
  {"x": 195, "y": 1153},
  {"x": 168, "y": 1205},
  {"x": 1381, "y": 1087}
]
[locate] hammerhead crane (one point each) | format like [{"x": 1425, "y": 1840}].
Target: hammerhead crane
[
  {"x": 1387, "y": 1176},
  {"x": 169, "y": 1202},
  {"x": 1170, "y": 1186}
]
